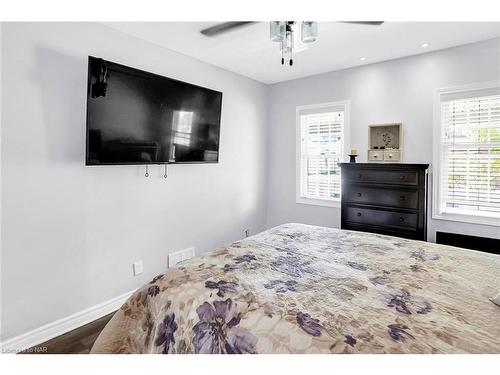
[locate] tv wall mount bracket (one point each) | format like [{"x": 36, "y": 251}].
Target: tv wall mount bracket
[{"x": 164, "y": 173}]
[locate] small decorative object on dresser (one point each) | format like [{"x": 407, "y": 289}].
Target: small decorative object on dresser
[
  {"x": 386, "y": 198},
  {"x": 385, "y": 143}
]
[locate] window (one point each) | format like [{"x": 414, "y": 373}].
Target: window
[
  {"x": 321, "y": 140},
  {"x": 183, "y": 122},
  {"x": 467, "y": 179}
]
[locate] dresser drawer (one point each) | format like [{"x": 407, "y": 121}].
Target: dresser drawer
[
  {"x": 375, "y": 155},
  {"x": 376, "y": 196},
  {"x": 382, "y": 177},
  {"x": 388, "y": 219},
  {"x": 392, "y": 155}
]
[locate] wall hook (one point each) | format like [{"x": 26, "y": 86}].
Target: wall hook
[
  {"x": 147, "y": 171},
  {"x": 165, "y": 175}
]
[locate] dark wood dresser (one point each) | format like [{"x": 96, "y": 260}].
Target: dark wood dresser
[{"x": 386, "y": 198}]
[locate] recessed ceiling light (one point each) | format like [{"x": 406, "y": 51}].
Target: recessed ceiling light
[
  {"x": 423, "y": 45},
  {"x": 362, "y": 58}
]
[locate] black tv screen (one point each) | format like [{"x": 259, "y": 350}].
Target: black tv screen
[{"x": 135, "y": 117}]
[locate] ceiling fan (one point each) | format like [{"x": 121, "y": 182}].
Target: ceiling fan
[
  {"x": 225, "y": 27},
  {"x": 281, "y": 32}
]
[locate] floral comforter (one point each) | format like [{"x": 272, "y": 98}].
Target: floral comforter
[{"x": 307, "y": 289}]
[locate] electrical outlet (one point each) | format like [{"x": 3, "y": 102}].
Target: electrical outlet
[
  {"x": 247, "y": 232},
  {"x": 179, "y": 256},
  {"x": 138, "y": 268}
]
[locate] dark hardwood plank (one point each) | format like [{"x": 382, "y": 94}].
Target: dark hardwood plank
[{"x": 77, "y": 341}]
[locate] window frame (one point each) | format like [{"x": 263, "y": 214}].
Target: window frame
[
  {"x": 437, "y": 151},
  {"x": 345, "y": 104}
]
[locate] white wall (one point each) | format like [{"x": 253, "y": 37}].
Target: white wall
[
  {"x": 70, "y": 232},
  {"x": 394, "y": 91}
]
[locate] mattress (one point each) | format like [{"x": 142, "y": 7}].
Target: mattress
[{"x": 306, "y": 289}]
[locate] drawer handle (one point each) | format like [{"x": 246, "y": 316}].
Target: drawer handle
[
  {"x": 375, "y": 156},
  {"x": 359, "y": 194},
  {"x": 358, "y": 214},
  {"x": 402, "y": 198},
  {"x": 390, "y": 156},
  {"x": 401, "y": 219}
]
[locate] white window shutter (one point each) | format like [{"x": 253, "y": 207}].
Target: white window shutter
[
  {"x": 470, "y": 156},
  {"x": 321, "y": 149}
]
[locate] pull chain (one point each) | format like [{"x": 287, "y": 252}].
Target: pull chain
[
  {"x": 165, "y": 175},
  {"x": 282, "y": 45},
  {"x": 147, "y": 171}
]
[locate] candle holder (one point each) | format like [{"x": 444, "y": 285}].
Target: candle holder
[{"x": 352, "y": 158}]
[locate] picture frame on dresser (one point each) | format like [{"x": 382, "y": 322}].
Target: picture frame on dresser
[{"x": 385, "y": 143}]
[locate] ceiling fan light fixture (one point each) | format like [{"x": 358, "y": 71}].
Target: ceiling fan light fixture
[
  {"x": 277, "y": 31},
  {"x": 309, "y": 31},
  {"x": 282, "y": 32}
]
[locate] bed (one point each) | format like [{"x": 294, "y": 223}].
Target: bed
[{"x": 306, "y": 289}]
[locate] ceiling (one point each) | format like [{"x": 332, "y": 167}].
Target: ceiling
[{"x": 249, "y": 52}]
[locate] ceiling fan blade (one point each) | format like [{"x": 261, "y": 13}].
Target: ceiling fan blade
[
  {"x": 368, "y": 23},
  {"x": 224, "y": 27}
]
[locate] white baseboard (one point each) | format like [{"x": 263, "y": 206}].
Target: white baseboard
[{"x": 59, "y": 327}]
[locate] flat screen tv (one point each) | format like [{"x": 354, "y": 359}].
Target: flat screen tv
[{"x": 135, "y": 117}]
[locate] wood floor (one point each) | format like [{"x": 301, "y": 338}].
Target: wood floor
[{"x": 78, "y": 341}]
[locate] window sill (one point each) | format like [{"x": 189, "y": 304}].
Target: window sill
[
  {"x": 318, "y": 202},
  {"x": 469, "y": 219}
]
